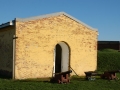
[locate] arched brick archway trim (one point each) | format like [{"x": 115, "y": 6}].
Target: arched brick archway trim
[{"x": 64, "y": 57}]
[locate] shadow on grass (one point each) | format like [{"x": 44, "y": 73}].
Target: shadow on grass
[
  {"x": 48, "y": 80},
  {"x": 84, "y": 79},
  {"x": 45, "y": 80}
]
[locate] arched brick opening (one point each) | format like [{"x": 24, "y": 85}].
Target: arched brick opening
[{"x": 61, "y": 57}]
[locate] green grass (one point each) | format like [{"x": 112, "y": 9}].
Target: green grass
[
  {"x": 108, "y": 59},
  {"x": 108, "y": 50},
  {"x": 75, "y": 84}
]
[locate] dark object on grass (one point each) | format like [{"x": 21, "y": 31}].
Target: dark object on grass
[
  {"x": 90, "y": 75},
  {"x": 62, "y": 77},
  {"x": 110, "y": 75}
]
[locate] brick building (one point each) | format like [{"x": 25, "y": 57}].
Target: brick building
[{"x": 38, "y": 47}]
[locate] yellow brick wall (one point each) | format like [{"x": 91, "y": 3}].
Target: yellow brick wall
[
  {"x": 37, "y": 40},
  {"x": 6, "y": 49}
]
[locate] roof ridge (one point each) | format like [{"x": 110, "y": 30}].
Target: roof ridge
[
  {"x": 54, "y": 14},
  {"x": 49, "y": 15},
  {"x": 39, "y": 17},
  {"x": 75, "y": 19}
]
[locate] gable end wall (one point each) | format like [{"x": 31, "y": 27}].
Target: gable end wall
[{"x": 37, "y": 40}]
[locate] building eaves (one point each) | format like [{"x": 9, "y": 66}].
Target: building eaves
[{"x": 11, "y": 23}]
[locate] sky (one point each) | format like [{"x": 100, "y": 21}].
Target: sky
[{"x": 104, "y": 15}]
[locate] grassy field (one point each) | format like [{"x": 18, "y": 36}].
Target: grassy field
[
  {"x": 75, "y": 84},
  {"x": 107, "y": 59}
]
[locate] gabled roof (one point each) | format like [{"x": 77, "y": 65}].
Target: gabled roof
[{"x": 45, "y": 16}]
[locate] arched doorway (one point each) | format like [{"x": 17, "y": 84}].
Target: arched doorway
[{"x": 61, "y": 57}]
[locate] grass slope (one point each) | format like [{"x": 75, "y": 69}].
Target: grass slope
[{"x": 108, "y": 59}]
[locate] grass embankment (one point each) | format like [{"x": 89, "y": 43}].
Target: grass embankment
[{"x": 107, "y": 60}]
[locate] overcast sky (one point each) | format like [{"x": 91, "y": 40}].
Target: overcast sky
[{"x": 103, "y": 15}]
